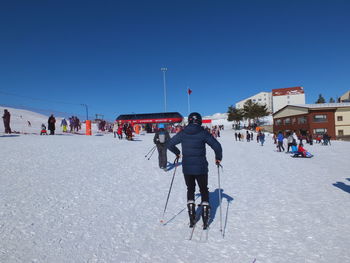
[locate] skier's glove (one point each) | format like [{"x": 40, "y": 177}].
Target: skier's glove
[{"x": 217, "y": 162}]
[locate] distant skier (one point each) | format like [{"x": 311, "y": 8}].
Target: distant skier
[
  {"x": 280, "y": 138},
  {"x": 248, "y": 136},
  {"x": 6, "y": 118},
  {"x": 194, "y": 163},
  {"x": 115, "y": 129},
  {"x": 128, "y": 132},
  {"x": 52, "y": 124},
  {"x": 120, "y": 132},
  {"x": 261, "y": 137},
  {"x": 161, "y": 137},
  {"x": 64, "y": 125},
  {"x": 290, "y": 141}
]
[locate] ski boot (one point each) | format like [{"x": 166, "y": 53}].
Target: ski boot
[
  {"x": 205, "y": 214},
  {"x": 192, "y": 212}
]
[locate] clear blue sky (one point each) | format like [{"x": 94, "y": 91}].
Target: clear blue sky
[{"x": 108, "y": 54}]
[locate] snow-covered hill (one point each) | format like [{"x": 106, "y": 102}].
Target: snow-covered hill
[{"x": 29, "y": 122}]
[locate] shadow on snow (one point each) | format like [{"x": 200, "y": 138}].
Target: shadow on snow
[
  {"x": 171, "y": 166},
  {"x": 342, "y": 186},
  {"x": 214, "y": 206},
  {"x": 10, "y": 135}
]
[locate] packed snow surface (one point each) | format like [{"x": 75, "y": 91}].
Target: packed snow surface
[{"x": 75, "y": 198}]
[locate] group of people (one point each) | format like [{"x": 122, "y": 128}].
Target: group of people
[
  {"x": 74, "y": 125},
  {"x": 215, "y": 130},
  {"x": 260, "y": 137},
  {"x": 323, "y": 139},
  {"x": 119, "y": 129},
  {"x": 292, "y": 145}
]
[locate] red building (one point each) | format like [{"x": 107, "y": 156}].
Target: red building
[{"x": 314, "y": 119}]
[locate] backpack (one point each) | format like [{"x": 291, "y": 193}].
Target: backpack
[{"x": 162, "y": 137}]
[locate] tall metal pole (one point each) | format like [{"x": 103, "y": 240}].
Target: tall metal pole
[
  {"x": 87, "y": 111},
  {"x": 164, "y": 84}
]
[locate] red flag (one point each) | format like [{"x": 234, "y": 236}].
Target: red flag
[{"x": 189, "y": 91}]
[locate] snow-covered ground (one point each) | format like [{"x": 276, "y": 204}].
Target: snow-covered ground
[{"x": 73, "y": 198}]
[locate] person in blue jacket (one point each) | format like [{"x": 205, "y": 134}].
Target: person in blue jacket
[
  {"x": 280, "y": 138},
  {"x": 193, "y": 139}
]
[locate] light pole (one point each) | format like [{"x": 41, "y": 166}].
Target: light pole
[
  {"x": 87, "y": 112},
  {"x": 164, "y": 84}
]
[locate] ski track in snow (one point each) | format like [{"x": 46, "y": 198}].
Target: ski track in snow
[{"x": 98, "y": 199}]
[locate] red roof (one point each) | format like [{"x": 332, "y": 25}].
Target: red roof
[
  {"x": 206, "y": 121},
  {"x": 288, "y": 91}
]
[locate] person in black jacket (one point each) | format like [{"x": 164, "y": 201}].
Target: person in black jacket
[
  {"x": 51, "y": 123},
  {"x": 160, "y": 139},
  {"x": 194, "y": 163},
  {"x": 6, "y": 118}
]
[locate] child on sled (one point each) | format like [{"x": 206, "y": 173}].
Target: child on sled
[
  {"x": 43, "y": 129},
  {"x": 302, "y": 152}
]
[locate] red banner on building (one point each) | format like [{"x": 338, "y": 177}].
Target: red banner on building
[{"x": 288, "y": 91}]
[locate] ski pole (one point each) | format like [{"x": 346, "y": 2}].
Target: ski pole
[
  {"x": 150, "y": 151},
  {"x": 154, "y": 149},
  {"x": 171, "y": 185},
  {"x": 219, "y": 165}
]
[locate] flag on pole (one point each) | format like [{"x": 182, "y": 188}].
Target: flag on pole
[{"x": 189, "y": 91}]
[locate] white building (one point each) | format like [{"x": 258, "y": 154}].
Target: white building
[
  {"x": 287, "y": 96},
  {"x": 345, "y": 97},
  {"x": 262, "y": 98}
]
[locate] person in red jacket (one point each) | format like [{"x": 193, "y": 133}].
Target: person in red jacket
[
  {"x": 302, "y": 150},
  {"x": 120, "y": 131}
]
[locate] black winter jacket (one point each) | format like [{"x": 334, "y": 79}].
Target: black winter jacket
[
  {"x": 156, "y": 136},
  {"x": 193, "y": 139}
]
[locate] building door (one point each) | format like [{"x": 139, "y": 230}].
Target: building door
[{"x": 303, "y": 132}]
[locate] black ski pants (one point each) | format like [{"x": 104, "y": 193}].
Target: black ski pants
[
  {"x": 202, "y": 181},
  {"x": 7, "y": 126},
  {"x": 162, "y": 155},
  {"x": 280, "y": 146}
]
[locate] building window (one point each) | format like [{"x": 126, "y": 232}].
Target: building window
[
  {"x": 340, "y": 132},
  {"x": 340, "y": 118},
  {"x": 302, "y": 120},
  {"x": 294, "y": 120},
  {"x": 320, "y": 118},
  {"x": 278, "y": 122},
  {"x": 287, "y": 121},
  {"x": 320, "y": 131},
  {"x": 254, "y": 100},
  {"x": 259, "y": 99}
]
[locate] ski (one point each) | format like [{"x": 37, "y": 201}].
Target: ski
[
  {"x": 194, "y": 226},
  {"x": 206, "y": 235},
  {"x": 192, "y": 231}
]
